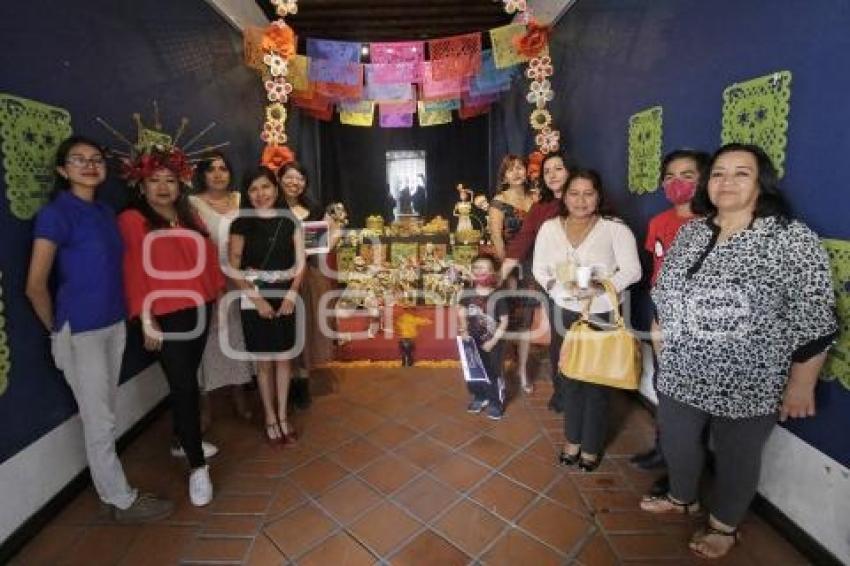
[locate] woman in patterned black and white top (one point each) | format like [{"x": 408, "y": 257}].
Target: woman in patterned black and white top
[{"x": 745, "y": 307}]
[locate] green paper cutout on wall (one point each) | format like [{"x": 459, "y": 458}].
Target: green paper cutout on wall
[
  {"x": 5, "y": 363},
  {"x": 30, "y": 132},
  {"x": 645, "y": 129},
  {"x": 838, "y": 363},
  {"x": 756, "y": 112}
]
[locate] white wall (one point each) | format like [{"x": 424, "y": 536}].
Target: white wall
[{"x": 30, "y": 478}]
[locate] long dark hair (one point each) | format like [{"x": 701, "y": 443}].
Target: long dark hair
[
  {"x": 186, "y": 215},
  {"x": 252, "y": 175},
  {"x": 546, "y": 194},
  {"x": 301, "y": 199},
  {"x": 199, "y": 181},
  {"x": 60, "y": 183},
  {"x": 507, "y": 161},
  {"x": 770, "y": 201},
  {"x": 603, "y": 209}
]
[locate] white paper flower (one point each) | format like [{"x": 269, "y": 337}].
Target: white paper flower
[
  {"x": 273, "y": 133},
  {"x": 278, "y": 66},
  {"x": 547, "y": 140},
  {"x": 540, "y": 68},
  {"x": 277, "y": 89},
  {"x": 539, "y": 93}
]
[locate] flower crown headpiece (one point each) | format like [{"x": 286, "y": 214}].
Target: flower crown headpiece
[{"x": 154, "y": 149}]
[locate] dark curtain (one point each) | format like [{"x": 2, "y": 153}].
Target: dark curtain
[{"x": 353, "y": 164}]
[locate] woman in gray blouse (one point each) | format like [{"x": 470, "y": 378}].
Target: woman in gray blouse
[{"x": 745, "y": 307}]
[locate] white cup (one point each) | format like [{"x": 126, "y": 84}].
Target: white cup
[{"x": 583, "y": 275}]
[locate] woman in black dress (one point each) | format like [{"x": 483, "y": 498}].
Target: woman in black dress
[{"x": 267, "y": 246}]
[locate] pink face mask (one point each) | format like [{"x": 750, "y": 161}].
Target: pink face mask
[
  {"x": 679, "y": 191},
  {"x": 485, "y": 280}
]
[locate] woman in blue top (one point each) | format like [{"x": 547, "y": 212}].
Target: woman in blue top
[{"x": 79, "y": 236}]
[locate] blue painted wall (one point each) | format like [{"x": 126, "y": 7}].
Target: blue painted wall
[
  {"x": 108, "y": 58},
  {"x": 616, "y": 57}
]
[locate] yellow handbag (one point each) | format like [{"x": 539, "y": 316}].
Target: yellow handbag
[{"x": 605, "y": 356}]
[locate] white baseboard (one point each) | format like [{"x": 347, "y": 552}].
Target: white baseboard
[
  {"x": 810, "y": 488},
  {"x": 30, "y": 478}
]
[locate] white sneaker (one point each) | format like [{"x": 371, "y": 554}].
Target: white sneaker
[
  {"x": 209, "y": 449},
  {"x": 200, "y": 486}
]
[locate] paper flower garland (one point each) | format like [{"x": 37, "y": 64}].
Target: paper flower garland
[
  {"x": 278, "y": 44},
  {"x": 535, "y": 45}
]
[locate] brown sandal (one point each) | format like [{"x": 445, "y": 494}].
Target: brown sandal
[
  {"x": 700, "y": 546},
  {"x": 664, "y": 504}
]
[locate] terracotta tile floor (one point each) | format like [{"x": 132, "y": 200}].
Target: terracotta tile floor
[{"x": 391, "y": 469}]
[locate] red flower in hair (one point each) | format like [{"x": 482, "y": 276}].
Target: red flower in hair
[
  {"x": 534, "y": 41},
  {"x": 276, "y": 156},
  {"x": 535, "y": 161},
  {"x": 147, "y": 164}
]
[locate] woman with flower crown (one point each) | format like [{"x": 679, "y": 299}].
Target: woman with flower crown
[{"x": 172, "y": 278}]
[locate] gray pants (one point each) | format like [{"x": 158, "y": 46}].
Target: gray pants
[
  {"x": 91, "y": 362},
  {"x": 738, "y": 445}
]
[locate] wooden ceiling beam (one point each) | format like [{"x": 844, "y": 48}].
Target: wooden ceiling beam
[
  {"x": 410, "y": 23},
  {"x": 412, "y": 4},
  {"x": 389, "y": 12},
  {"x": 389, "y": 34}
]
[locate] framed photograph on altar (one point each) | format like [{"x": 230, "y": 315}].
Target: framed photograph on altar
[{"x": 316, "y": 235}]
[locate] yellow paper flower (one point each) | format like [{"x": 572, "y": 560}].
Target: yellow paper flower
[
  {"x": 276, "y": 112},
  {"x": 540, "y": 118}
]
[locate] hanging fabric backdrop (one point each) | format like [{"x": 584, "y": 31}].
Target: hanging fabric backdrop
[{"x": 353, "y": 164}]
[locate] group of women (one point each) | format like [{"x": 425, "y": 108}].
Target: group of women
[
  {"x": 743, "y": 307},
  {"x": 166, "y": 263},
  {"x": 743, "y": 316}
]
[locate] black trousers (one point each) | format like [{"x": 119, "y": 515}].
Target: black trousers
[
  {"x": 585, "y": 404},
  {"x": 180, "y": 358},
  {"x": 492, "y": 362},
  {"x": 738, "y": 447},
  {"x": 556, "y": 338}
]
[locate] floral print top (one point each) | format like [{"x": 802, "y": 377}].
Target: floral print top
[{"x": 735, "y": 313}]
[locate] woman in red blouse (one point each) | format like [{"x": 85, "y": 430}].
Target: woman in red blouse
[{"x": 171, "y": 278}]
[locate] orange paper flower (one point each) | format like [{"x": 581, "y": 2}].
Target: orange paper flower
[
  {"x": 534, "y": 41},
  {"x": 276, "y": 156},
  {"x": 280, "y": 39},
  {"x": 535, "y": 160}
]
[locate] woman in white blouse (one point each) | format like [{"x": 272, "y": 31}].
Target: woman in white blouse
[
  {"x": 584, "y": 236},
  {"x": 217, "y": 203}
]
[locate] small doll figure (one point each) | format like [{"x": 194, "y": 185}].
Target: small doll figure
[
  {"x": 463, "y": 209},
  {"x": 336, "y": 213},
  {"x": 407, "y": 327}
]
